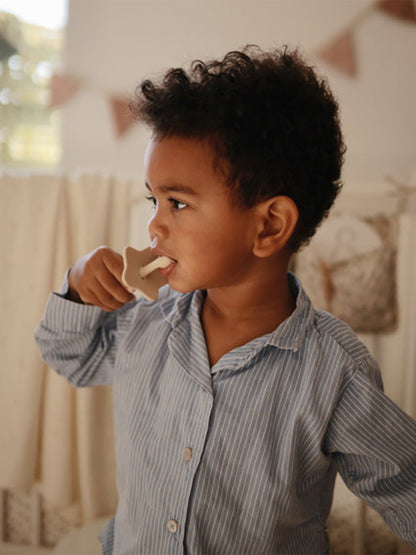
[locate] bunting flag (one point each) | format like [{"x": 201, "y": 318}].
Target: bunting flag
[
  {"x": 122, "y": 117},
  {"x": 340, "y": 53},
  {"x": 401, "y": 9},
  {"x": 62, "y": 88}
]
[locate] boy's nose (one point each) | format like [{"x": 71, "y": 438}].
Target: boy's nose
[{"x": 156, "y": 226}]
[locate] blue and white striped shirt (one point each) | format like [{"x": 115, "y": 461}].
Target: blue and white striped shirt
[{"x": 241, "y": 457}]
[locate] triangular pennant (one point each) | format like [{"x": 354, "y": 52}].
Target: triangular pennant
[
  {"x": 402, "y": 9},
  {"x": 340, "y": 53},
  {"x": 62, "y": 88},
  {"x": 122, "y": 117}
]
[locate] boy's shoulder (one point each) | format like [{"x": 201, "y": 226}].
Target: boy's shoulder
[
  {"x": 342, "y": 342},
  {"x": 335, "y": 341},
  {"x": 340, "y": 333}
]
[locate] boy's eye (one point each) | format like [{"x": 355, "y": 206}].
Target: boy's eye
[
  {"x": 152, "y": 200},
  {"x": 177, "y": 204}
]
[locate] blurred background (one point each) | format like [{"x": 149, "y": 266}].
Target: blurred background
[
  {"x": 71, "y": 179},
  {"x": 103, "y": 48}
]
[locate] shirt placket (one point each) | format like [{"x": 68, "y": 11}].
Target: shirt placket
[{"x": 187, "y": 346}]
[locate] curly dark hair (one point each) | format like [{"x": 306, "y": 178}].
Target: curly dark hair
[{"x": 273, "y": 122}]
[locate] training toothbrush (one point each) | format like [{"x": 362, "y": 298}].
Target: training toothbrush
[{"x": 140, "y": 271}]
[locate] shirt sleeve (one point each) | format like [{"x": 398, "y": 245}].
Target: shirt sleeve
[
  {"x": 374, "y": 444},
  {"x": 80, "y": 341}
]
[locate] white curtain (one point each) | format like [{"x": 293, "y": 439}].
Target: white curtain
[{"x": 51, "y": 434}]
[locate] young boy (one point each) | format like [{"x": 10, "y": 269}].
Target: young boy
[{"x": 236, "y": 402}]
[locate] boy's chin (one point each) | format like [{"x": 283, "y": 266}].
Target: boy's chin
[{"x": 182, "y": 288}]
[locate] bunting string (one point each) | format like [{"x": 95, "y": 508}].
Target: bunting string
[{"x": 340, "y": 53}]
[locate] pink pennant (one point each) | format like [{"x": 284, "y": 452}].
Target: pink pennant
[
  {"x": 62, "y": 88},
  {"x": 122, "y": 117},
  {"x": 340, "y": 53},
  {"x": 402, "y": 9}
]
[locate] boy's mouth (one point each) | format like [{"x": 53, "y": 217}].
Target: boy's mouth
[
  {"x": 161, "y": 263},
  {"x": 168, "y": 269}
]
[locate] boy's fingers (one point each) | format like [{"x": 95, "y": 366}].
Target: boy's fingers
[
  {"x": 103, "y": 279},
  {"x": 107, "y": 297},
  {"x": 96, "y": 279},
  {"x": 94, "y": 298},
  {"x": 113, "y": 261},
  {"x": 114, "y": 288},
  {"x": 98, "y": 295}
]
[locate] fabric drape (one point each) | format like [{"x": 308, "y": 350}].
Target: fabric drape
[{"x": 51, "y": 434}]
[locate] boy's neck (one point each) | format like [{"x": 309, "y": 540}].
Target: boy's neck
[{"x": 232, "y": 317}]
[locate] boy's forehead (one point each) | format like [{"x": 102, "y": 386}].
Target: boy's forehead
[
  {"x": 173, "y": 145},
  {"x": 175, "y": 157}
]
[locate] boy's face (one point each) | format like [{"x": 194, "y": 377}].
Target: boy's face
[{"x": 195, "y": 221}]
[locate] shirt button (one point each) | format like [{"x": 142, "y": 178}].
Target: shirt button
[
  {"x": 173, "y": 526},
  {"x": 187, "y": 454}
]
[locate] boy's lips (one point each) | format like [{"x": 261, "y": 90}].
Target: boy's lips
[
  {"x": 167, "y": 270},
  {"x": 158, "y": 254}
]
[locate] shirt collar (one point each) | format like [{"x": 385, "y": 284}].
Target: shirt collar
[
  {"x": 175, "y": 306},
  {"x": 288, "y": 335},
  {"x": 291, "y": 332}
]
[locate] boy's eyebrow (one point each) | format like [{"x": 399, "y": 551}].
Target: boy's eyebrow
[{"x": 173, "y": 189}]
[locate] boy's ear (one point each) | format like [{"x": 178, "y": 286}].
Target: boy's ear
[{"x": 277, "y": 219}]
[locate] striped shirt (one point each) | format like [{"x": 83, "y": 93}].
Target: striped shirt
[{"x": 240, "y": 457}]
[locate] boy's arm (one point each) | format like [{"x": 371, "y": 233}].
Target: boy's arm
[
  {"x": 79, "y": 341},
  {"x": 374, "y": 443}
]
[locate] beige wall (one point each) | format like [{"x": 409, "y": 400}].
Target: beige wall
[{"x": 112, "y": 44}]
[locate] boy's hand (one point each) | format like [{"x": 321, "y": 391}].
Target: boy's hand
[{"x": 96, "y": 279}]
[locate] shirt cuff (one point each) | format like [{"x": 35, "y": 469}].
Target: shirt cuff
[{"x": 64, "y": 290}]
